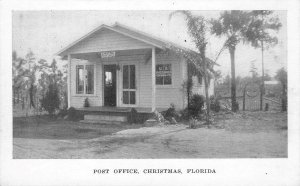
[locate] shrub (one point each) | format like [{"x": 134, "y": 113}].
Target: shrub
[
  {"x": 170, "y": 113},
  {"x": 215, "y": 104},
  {"x": 74, "y": 115},
  {"x": 132, "y": 116},
  {"x": 184, "y": 114},
  {"x": 50, "y": 102},
  {"x": 86, "y": 102},
  {"x": 65, "y": 100},
  {"x": 194, "y": 111},
  {"x": 196, "y": 106}
]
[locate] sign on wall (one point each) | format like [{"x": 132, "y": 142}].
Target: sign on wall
[
  {"x": 108, "y": 54},
  {"x": 163, "y": 70}
]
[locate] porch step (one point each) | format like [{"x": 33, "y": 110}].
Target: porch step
[{"x": 104, "y": 119}]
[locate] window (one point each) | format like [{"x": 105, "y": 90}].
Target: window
[
  {"x": 129, "y": 84},
  {"x": 85, "y": 79},
  {"x": 89, "y": 79},
  {"x": 108, "y": 78},
  {"x": 79, "y": 79},
  {"x": 163, "y": 74}
]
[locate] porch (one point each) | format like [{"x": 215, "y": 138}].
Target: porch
[
  {"x": 105, "y": 109},
  {"x": 115, "y": 115}
]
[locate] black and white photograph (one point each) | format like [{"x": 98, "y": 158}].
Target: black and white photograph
[
  {"x": 149, "y": 93},
  {"x": 149, "y": 84}
]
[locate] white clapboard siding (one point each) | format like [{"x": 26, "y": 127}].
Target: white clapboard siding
[
  {"x": 77, "y": 100},
  {"x": 165, "y": 95},
  {"x": 106, "y": 40}
]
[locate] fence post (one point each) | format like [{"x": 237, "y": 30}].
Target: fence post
[
  {"x": 244, "y": 98},
  {"x": 23, "y": 104}
]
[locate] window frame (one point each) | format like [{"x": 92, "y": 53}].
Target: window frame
[
  {"x": 84, "y": 64},
  {"x": 172, "y": 79}
]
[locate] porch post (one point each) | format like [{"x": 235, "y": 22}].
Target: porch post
[
  {"x": 153, "y": 80},
  {"x": 69, "y": 80}
]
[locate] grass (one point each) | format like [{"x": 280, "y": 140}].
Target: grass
[
  {"x": 238, "y": 135},
  {"x": 44, "y": 127}
]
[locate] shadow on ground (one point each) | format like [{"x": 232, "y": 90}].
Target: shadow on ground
[{"x": 44, "y": 127}]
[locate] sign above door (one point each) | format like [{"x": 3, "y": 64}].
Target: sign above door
[{"x": 108, "y": 54}]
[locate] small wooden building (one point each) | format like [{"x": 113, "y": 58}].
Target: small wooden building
[{"x": 118, "y": 67}]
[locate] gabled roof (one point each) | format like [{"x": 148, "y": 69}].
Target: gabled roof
[
  {"x": 121, "y": 30},
  {"x": 129, "y": 32},
  {"x": 135, "y": 34},
  {"x": 142, "y": 36}
]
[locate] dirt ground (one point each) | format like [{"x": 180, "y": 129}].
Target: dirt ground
[{"x": 243, "y": 135}]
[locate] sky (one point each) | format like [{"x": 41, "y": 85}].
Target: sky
[{"x": 46, "y": 32}]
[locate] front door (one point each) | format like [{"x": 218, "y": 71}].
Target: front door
[{"x": 110, "y": 85}]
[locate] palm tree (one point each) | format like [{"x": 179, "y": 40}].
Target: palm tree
[
  {"x": 233, "y": 25},
  {"x": 197, "y": 27},
  {"x": 258, "y": 34}
]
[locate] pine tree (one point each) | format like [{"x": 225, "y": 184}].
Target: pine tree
[{"x": 50, "y": 102}]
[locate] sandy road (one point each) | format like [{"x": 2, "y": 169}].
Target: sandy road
[{"x": 172, "y": 141}]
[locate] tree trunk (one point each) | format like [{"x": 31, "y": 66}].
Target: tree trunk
[
  {"x": 244, "y": 98},
  {"x": 206, "y": 95},
  {"x": 233, "y": 83},
  {"x": 206, "y": 87},
  {"x": 31, "y": 96},
  {"x": 262, "y": 88},
  {"x": 23, "y": 104}
]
